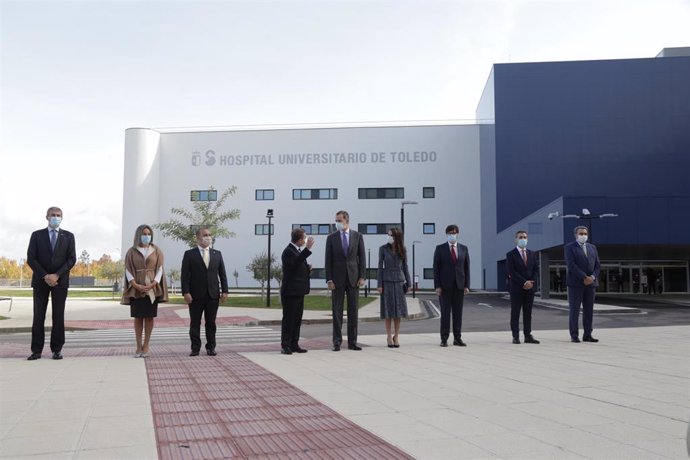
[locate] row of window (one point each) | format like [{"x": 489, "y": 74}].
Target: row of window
[
  {"x": 320, "y": 194},
  {"x": 382, "y": 193},
  {"x": 320, "y": 273},
  {"x": 428, "y": 228}
]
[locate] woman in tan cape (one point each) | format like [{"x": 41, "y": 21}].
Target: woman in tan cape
[{"x": 145, "y": 285}]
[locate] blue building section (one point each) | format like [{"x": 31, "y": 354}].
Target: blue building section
[{"x": 610, "y": 136}]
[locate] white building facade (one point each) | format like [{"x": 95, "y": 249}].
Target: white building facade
[{"x": 305, "y": 175}]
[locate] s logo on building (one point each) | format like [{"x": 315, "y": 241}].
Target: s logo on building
[
  {"x": 210, "y": 158},
  {"x": 196, "y": 158}
]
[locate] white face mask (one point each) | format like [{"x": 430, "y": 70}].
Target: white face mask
[
  {"x": 582, "y": 239},
  {"x": 522, "y": 243},
  {"x": 390, "y": 239},
  {"x": 206, "y": 240},
  {"x": 54, "y": 221},
  {"x": 339, "y": 226},
  {"x": 145, "y": 239}
]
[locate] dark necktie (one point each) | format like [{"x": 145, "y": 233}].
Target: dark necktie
[
  {"x": 346, "y": 246},
  {"x": 524, "y": 256},
  {"x": 453, "y": 255},
  {"x": 53, "y": 239}
]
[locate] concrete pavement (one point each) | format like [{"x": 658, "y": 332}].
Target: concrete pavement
[{"x": 625, "y": 397}]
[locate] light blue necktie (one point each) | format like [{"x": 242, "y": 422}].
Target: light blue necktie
[
  {"x": 53, "y": 239},
  {"x": 346, "y": 245}
]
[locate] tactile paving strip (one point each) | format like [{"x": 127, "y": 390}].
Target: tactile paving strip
[{"x": 229, "y": 407}]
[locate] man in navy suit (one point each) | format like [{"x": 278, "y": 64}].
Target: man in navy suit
[
  {"x": 582, "y": 261},
  {"x": 452, "y": 282},
  {"x": 522, "y": 267},
  {"x": 345, "y": 269},
  {"x": 204, "y": 283},
  {"x": 51, "y": 256},
  {"x": 294, "y": 287}
]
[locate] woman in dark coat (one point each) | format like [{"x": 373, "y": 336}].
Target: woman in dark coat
[{"x": 393, "y": 284}]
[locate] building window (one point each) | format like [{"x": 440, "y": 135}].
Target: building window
[
  {"x": 262, "y": 229},
  {"x": 318, "y": 273},
  {"x": 429, "y": 228},
  {"x": 428, "y": 192},
  {"x": 265, "y": 194},
  {"x": 428, "y": 273},
  {"x": 375, "y": 229},
  {"x": 381, "y": 193},
  {"x": 315, "y": 194},
  {"x": 315, "y": 229},
  {"x": 204, "y": 195}
]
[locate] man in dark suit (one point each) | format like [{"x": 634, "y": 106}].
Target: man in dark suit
[
  {"x": 51, "y": 256},
  {"x": 452, "y": 282},
  {"x": 204, "y": 283},
  {"x": 294, "y": 287},
  {"x": 522, "y": 267},
  {"x": 345, "y": 268},
  {"x": 582, "y": 261}
]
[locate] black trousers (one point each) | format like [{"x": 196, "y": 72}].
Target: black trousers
[
  {"x": 293, "y": 309},
  {"x": 521, "y": 301},
  {"x": 452, "y": 300},
  {"x": 337, "y": 305},
  {"x": 57, "y": 334},
  {"x": 581, "y": 296},
  {"x": 208, "y": 308}
]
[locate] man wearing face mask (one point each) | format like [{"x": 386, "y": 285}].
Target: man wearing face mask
[
  {"x": 582, "y": 261},
  {"x": 452, "y": 282},
  {"x": 294, "y": 287},
  {"x": 522, "y": 268},
  {"x": 51, "y": 256},
  {"x": 204, "y": 283},
  {"x": 345, "y": 268}
]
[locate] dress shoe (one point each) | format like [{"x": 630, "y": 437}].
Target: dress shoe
[
  {"x": 395, "y": 341},
  {"x": 336, "y": 348},
  {"x": 299, "y": 350},
  {"x": 517, "y": 341},
  {"x": 459, "y": 343},
  {"x": 354, "y": 347},
  {"x": 34, "y": 356},
  {"x": 531, "y": 339},
  {"x": 194, "y": 353},
  {"x": 390, "y": 343},
  {"x": 285, "y": 351},
  {"x": 211, "y": 352},
  {"x": 57, "y": 355},
  {"x": 444, "y": 343},
  {"x": 590, "y": 339},
  {"x": 575, "y": 340}
]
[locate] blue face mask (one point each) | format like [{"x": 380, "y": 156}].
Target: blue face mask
[
  {"x": 339, "y": 226},
  {"x": 145, "y": 239},
  {"x": 54, "y": 222},
  {"x": 452, "y": 238},
  {"x": 522, "y": 243}
]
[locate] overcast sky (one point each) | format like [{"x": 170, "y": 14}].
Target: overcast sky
[{"x": 76, "y": 74}]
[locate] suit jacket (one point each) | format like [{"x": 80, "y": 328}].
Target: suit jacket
[
  {"x": 391, "y": 267},
  {"x": 43, "y": 261},
  {"x": 446, "y": 273},
  {"x": 340, "y": 267},
  {"x": 202, "y": 282},
  {"x": 295, "y": 271},
  {"x": 518, "y": 272},
  {"x": 581, "y": 265}
]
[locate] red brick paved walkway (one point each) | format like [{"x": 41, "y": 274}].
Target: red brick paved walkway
[{"x": 228, "y": 407}]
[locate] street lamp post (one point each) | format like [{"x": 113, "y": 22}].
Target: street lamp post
[
  {"x": 586, "y": 215},
  {"x": 414, "y": 272},
  {"x": 21, "y": 272},
  {"x": 368, "y": 289},
  {"x": 269, "y": 215},
  {"x": 402, "y": 214}
]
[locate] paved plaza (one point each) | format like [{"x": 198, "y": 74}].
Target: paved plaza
[{"x": 625, "y": 397}]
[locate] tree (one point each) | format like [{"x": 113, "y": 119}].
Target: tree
[
  {"x": 111, "y": 270},
  {"x": 236, "y": 276},
  {"x": 206, "y": 213},
  {"x": 258, "y": 267},
  {"x": 84, "y": 260}
]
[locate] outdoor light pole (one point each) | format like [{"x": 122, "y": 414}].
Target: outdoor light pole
[
  {"x": 269, "y": 215},
  {"x": 414, "y": 272},
  {"x": 368, "y": 289},
  {"x": 21, "y": 272},
  {"x": 402, "y": 215},
  {"x": 586, "y": 215}
]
